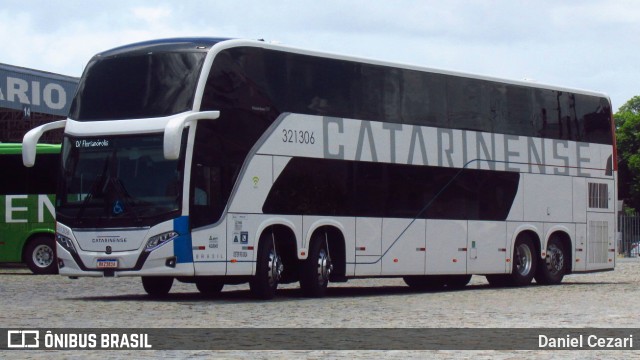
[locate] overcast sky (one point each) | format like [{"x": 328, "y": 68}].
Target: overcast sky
[{"x": 586, "y": 44}]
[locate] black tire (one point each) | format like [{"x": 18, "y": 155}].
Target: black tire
[
  {"x": 457, "y": 281},
  {"x": 316, "y": 270},
  {"x": 157, "y": 286},
  {"x": 425, "y": 282},
  {"x": 552, "y": 268},
  {"x": 269, "y": 268},
  {"x": 208, "y": 286},
  {"x": 524, "y": 263},
  {"x": 40, "y": 255}
]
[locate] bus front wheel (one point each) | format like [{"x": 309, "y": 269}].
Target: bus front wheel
[
  {"x": 269, "y": 268},
  {"x": 40, "y": 255},
  {"x": 157, "y": 286}
]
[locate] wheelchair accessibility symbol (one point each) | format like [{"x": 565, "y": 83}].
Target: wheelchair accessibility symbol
[{"x": 118, "y": 208}]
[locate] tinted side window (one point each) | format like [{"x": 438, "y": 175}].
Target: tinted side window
[
  {"x": 312, "y": 186},
  {"x": 238, "y": 86},
  {"x": 39, "y": 179},
  {"x": 137, "y": 86},
  {"x": 371, "y": 187},
  {"x": 544, "y": 109},
  {"x": 266, "y": 83},
  {"x": 15, "y": 179},
  {"x": 370, "y": 104},
  {"x": 424, "y": 99},
  {"x": 475, "y": 195},
  {"x": 218, "y": 156},
  {"x": 349, "y": 188},
  {"x": 518, "y": 110},
  {"x": 468, "y": 104},
  {"x": 594, "y": 119}
]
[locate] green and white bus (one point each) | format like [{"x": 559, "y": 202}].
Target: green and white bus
[{"x": 27, "y": 224}]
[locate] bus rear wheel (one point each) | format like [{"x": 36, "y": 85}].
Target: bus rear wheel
[
  {"x": 523, "y": 269},
  {"x": 551, "y": 269},
  {"x": 40, "y": 255},
  {"x": 157, "y": 286},
  {"x": 269, "y": 268},
  {"x": 524, "y": 263},
  {"x": 317, "y": 269}
]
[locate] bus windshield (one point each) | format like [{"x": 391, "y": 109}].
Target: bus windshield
[
  {"x": 118, "y": 181},
  {"x": 137, "y": 86}
]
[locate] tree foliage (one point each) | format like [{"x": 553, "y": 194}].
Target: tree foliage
[
  {"x": 631, "y": 106},
  {"x": 627, "y": 121}
]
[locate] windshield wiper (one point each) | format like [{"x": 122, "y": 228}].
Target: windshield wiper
[{"x": 97, "y": 183}]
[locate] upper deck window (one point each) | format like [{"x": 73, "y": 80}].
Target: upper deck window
[{"x": 134, "y": 86}]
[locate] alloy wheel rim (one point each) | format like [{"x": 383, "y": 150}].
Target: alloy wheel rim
[
  {"x": 324, "y": 267},
  {"x": 554, "y": 259},
  {"x": 524, "y": 259},
  {"x": 275, "y": 268},
  {"x": 43, "y": 256}
]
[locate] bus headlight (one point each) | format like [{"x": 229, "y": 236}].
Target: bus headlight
[
  {"x": 66, "y": 243},
  {"x": 156, "y": 241}
]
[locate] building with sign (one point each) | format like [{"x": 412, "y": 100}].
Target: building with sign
[{"x": 29, "y": 98}]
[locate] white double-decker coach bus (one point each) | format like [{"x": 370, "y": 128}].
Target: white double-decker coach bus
[{"x": 218, "y": 161}]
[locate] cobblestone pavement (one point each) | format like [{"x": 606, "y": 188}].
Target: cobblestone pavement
[{"x": 605, "y": 299}]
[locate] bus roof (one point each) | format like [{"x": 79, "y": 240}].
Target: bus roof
[
  {"x": 16, "y": 148},
  {"x": 172, "y": 44}
]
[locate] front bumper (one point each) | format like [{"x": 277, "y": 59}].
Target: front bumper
[{"x": 159, "y": 262}]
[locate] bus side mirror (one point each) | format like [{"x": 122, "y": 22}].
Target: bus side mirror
[
  {"x": 173, "y": 131},
  {"x": 30, "y": 141}
]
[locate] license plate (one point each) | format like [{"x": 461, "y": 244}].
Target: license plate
[{"x": 107, "y": 263}]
